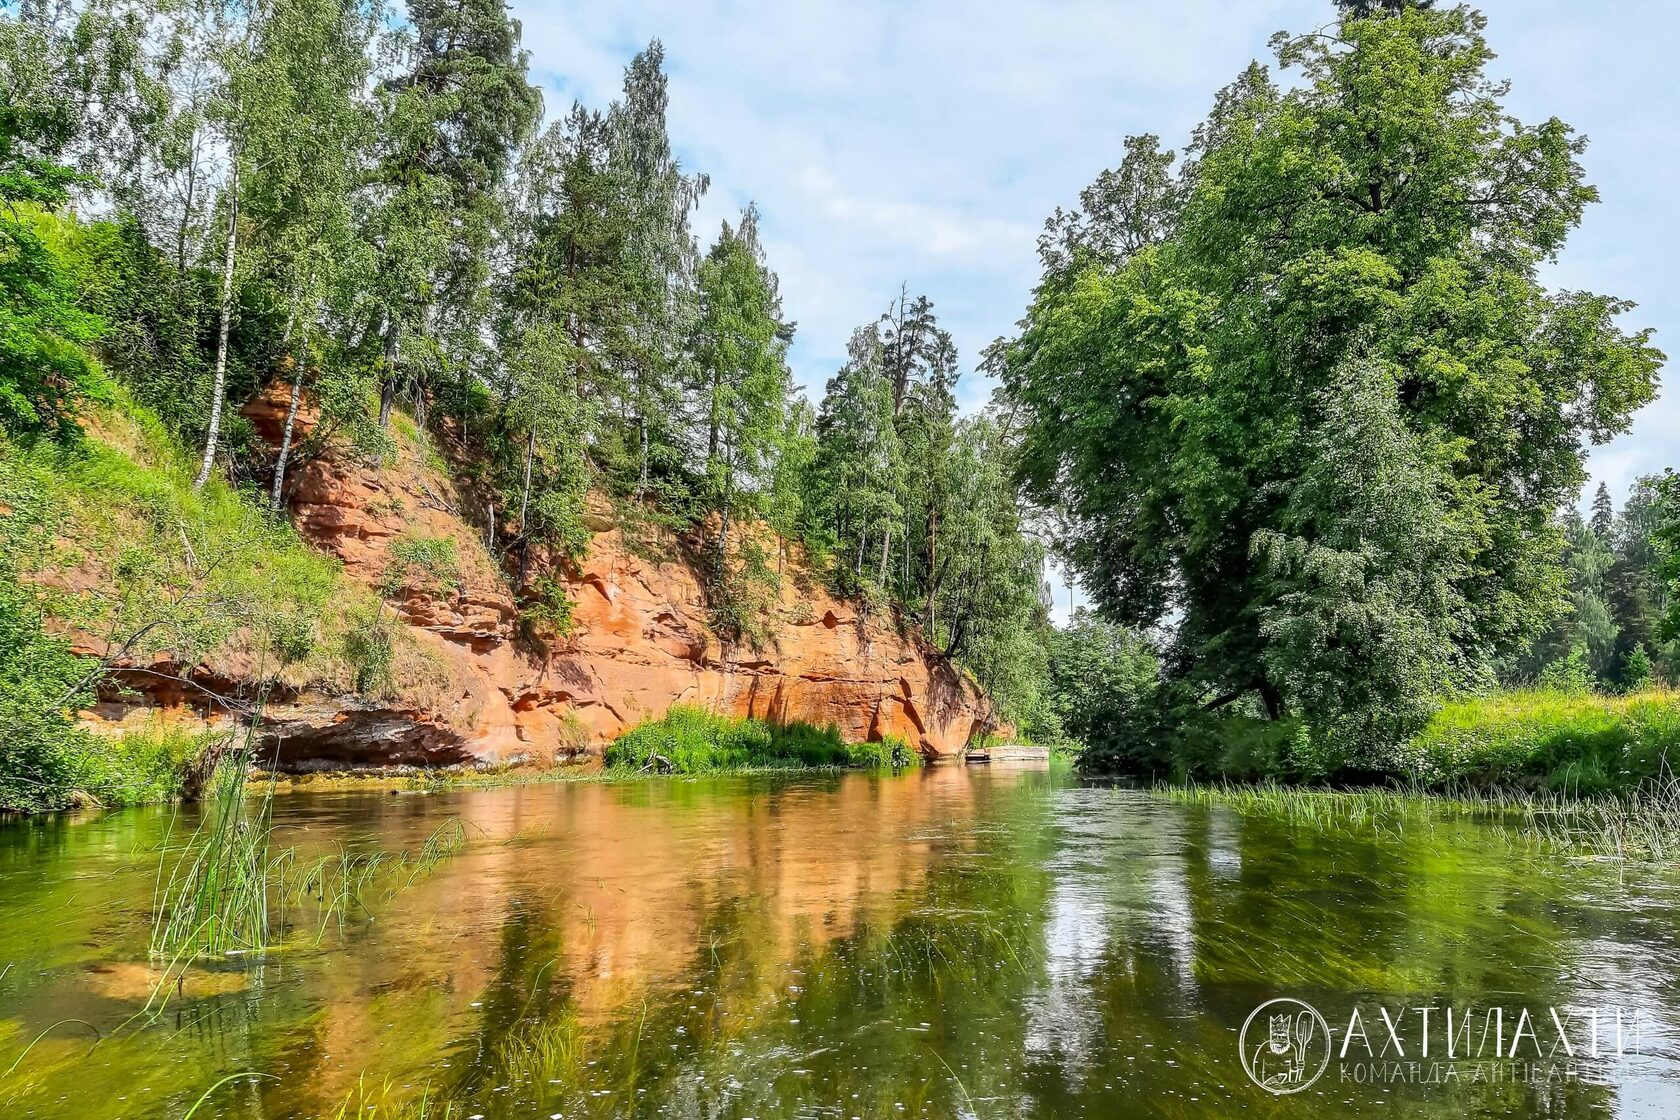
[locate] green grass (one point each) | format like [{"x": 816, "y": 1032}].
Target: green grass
[
  {"x": 1640, "y": 825},
  {"x": 1553, "y": 740},
  {"x": 689, "y": 740},
  {"x": 107, "y": 539}
]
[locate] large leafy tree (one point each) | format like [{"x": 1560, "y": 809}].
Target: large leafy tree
[{"x": 1312, "y": 404}]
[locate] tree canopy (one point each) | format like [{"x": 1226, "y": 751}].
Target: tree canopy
[{"x": 1301, "y": 396}]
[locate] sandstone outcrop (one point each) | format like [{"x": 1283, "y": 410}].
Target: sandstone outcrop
[{"x": 640, "y": 640}]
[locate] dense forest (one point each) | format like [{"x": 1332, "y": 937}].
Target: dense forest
[
  {"x": 366, "y": 205},
  {"x": 1294, "y": 405}
]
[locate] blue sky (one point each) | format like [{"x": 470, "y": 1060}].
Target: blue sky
[{"x": 925, "y": 143}]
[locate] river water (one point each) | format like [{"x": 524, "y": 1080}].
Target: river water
[{"x": 948, "y": 942}]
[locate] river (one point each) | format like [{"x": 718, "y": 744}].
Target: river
[{"x": 946, "y": 942}]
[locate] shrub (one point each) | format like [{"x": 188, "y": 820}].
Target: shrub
[
  {"x": 368, "y": 647},
  {"x": 146, "y": 765},
  {"x": 889, "y": 753},
  {"x": 41, "y": 685},
  {"x": 547, "y": 609},
  {"x": 428, "y": 564}
]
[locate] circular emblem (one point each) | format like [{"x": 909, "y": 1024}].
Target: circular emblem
[{"x": 1284, "y": 1046}]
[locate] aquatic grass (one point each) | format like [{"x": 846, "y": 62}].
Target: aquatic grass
[
  {"x": 692, "y": 740},
  {"x": 216, "y": 897},
  {"x": 342, "y": 882},
  {"x": 363, "y": 1103},
  {"x": 1641, "y": 825}
]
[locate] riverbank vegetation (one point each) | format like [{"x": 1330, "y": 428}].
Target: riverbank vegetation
[
  {"x": 1307, "y": 417},
  {"x": 690, "y": 740},
  {"x": 107, "y": 538},
  {"x": 1293, "y": 403}
]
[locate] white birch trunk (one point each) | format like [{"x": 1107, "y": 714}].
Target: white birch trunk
[{"x": 215, "y": 433}]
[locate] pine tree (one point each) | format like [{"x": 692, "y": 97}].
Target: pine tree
[
  {"x": 860, "y": 462},
  {"x": 1603, "y": 513},
  {"x": 740, "y": 348},
  {"x": 659, "y": 265},
  {"x": 449, "y": 124}
]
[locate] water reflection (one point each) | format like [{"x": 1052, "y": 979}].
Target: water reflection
[{"x": 950, "y": 942}]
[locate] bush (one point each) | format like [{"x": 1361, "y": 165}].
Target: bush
[
  {"x": 428, "y": 564},
  {"x": 690, "y": 740},
  {"x": 1561, "y": 740},
  {"x": 145, "y": 766},
  {"x": 41, "y": 685},
  {"x": 547, "y": 610}
]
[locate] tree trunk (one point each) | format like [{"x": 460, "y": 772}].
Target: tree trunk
[
  {"x": 186, "y": 211},
  {"x": 933, "y": 571},
  {"x": 525, "y": 495},
  {"x": 388, "y": 385},
  {"x": 713, "y": 421},
  {"x": 214, "y": 434},
  {"x": 886, "y": 545},
  {"x": 728, "y": 500},
  {"x": 291, "y": 418},
  {"x": 524, "y": 507},
  {"x": 641, "y": 485}
]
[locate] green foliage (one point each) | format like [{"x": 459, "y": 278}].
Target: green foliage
[
  {"x": 369, "y": 643},
  {"x": 1665, "y": 543},
  {"x": 689, "y": 740},
  {"x": 547, "y": 607},
  {"x": 1286, "y": 401},
  {"x": 1101, "y": 680},
  {"x": 1637, "y": 673},
  {"x": 742, "y": 593},
  {"x": 422, "y": 563},
  {"x": 1570, "y": 674},
  {"x": 1562, "y": 740},
  {"x": 42, "y": 683}
]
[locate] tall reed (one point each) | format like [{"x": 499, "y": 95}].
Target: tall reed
[{"x": 215, "y": 899}]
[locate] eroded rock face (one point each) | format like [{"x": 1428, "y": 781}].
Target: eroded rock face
[{"x": 640, "y": 640}]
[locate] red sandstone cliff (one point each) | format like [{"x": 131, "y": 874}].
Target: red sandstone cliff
[{"x": 640, "y": 642}]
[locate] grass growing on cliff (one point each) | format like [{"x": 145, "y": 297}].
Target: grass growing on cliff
[
  {"x": 108, "y": 539},
  {"x": 1577, "y": 743},
  {"x": 690, "y": 740}
]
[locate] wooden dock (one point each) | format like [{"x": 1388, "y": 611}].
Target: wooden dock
[{"x": 1013, "y": 752}]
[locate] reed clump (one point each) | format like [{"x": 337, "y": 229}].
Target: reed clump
[{"x": 231, "y": 890}]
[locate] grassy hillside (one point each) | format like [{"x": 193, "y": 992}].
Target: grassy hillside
[{"x": 105, "y": 541}]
